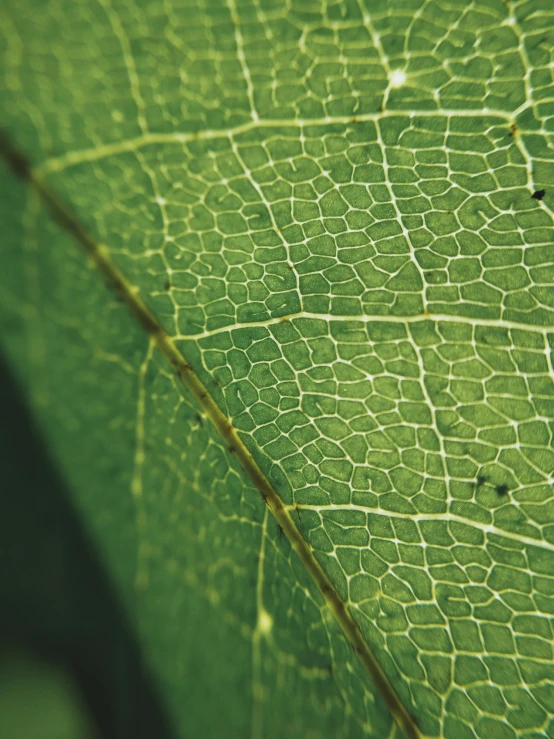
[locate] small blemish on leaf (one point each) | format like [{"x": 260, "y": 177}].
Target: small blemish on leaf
[
  {"x": 538, "y": 194},
  {"x": 264, "y": 498},
  {"x": 502, "y": 489},
  {"x": 513, "y": 129},
  {"x": 20, "y": 166}
]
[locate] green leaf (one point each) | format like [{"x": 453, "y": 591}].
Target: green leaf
[{"x": 316, "y": 264}]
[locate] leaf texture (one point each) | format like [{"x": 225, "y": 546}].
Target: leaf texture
[{"x": 331, "y": 214}]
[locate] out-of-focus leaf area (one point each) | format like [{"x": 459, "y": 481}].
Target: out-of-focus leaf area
[{"x": 70, "y": 667}]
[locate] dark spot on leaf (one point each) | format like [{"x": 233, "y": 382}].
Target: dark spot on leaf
[
  {"x": 502, "y": 489},
  {"x": 480, "y": 480},
  {"x": 147, "y": 321},
  {"x": 167, "y": 285},
  {"x": 538, "y": 194},
  {"x": 198, "y": 419},
  {"x": 513, "y": 129},
  {"x": 20, "y": 166}
]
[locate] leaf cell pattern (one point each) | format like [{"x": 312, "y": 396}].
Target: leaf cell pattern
[{"x": 330, "y": 208}]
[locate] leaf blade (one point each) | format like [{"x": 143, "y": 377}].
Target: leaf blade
[{"x": 436, "y": 244}]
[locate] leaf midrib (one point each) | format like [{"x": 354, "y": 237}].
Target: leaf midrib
[{"x": 130, "y": 295}]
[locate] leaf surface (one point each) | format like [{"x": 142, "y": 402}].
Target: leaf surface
[{"x": 330, "y": 219}]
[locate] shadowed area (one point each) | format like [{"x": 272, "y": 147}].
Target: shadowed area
[{"x": 57, "y": 603}]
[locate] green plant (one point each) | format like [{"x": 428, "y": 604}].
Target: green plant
[{"x": 299, "y": 380}]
